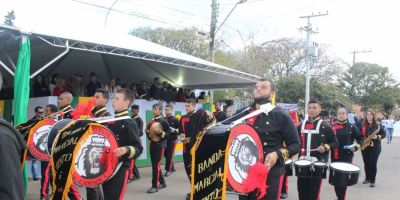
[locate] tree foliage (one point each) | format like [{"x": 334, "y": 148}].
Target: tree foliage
[{"x": 9, "y": 18}]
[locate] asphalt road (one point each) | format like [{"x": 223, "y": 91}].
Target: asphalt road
[{"x": 387, "y": 183}]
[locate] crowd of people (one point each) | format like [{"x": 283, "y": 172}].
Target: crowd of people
[{"x": 74, "y": 84}]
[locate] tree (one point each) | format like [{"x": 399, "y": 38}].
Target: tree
[
  {"x": 9, "y": 18},
  {"x": 366, "y": 83},
  {"x": 184, "y": 40}
]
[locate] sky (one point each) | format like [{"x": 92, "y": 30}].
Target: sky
[{"x": 350, "y": 24}]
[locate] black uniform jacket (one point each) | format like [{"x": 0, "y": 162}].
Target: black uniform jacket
[
  {"x": 173, "y": 123},
  {"x": 139, "y": 122},
  {"x": 100, "y": 111},
  {"x": 325, "y": 138},
  {"x": 11, "y": 146},
  {"x": 219, "y": 116},
  {"x": 127, "y": 134},
  {"x": 165, "y": 132},
  {"x": 278, "y": 134},
  {"x": 346, "y": 134},
  {"x": 66, "y": 112},
  {"x": 367, "y": 130}
]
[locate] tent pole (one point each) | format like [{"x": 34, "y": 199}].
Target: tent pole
[
  {"x": 6, "y": 68},
  {"x": 52, "y": 61}
]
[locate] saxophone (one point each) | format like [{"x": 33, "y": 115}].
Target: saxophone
[{"x": 368, "y": 141}]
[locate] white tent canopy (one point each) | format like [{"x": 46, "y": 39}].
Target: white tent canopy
[{"x": 113, "y": 55}]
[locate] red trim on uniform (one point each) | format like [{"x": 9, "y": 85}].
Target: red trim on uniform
[
  {"x": 252, "y": 119},
  {"x": 278, "y": 196},
  {"x": 131, "y": 168},
  {"x": 303, "y": 144},
  {"x": 319, "y": 191},
  {"x": 159, "y": 168},
  {"x": 75, "y": 192},
  {"x": 46, "y": 181},
  {"x": 336, "y": 150},
  {"x": 285, "y": 178},
  {"x": 172, "y": 155},
  {"x": 309, "y": 126},
  {"x": 121, "y": 197},
  {"x": 184, "y": 120},
  {"x": 364, "y": 131}
]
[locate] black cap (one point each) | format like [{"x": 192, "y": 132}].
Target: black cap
[{"x": 135, "y": 107}]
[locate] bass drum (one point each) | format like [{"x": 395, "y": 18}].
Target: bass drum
[
  {"x": 37, "y": 141},
  {"x": 54, "y": 132},
  {"x": 245, "y": 150},
  {"x": 343, "y": 174},
  {"x": 95, "y": 162}
]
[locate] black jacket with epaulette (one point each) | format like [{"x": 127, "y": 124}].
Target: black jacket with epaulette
[
  {"x": 66, "y": 112},
  {"x": 100, "y": 111},
  {"x": 173, "y": 122},
  {"x": 127, "y": 134},
  {"x": 346, "y": 134},
  {"x": 166, "y": 131}
]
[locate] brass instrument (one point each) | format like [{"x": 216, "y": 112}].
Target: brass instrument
[
  {"x": 368, "y": 141},
  {"x": 155, "y": 128}
]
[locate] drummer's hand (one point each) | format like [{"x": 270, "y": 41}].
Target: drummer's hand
[
  {"x": 321, "y": 149},
  {"x": 271, "y": 159},
  {"x": 375, "y": 137},
  {"x": 158, "y": 131},
  {"x": 120, "y": 151}
]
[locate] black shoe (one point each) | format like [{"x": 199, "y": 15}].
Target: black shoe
[
  {"x": 162, "y": 185},
  {"x": 152, "y": 190},
  {"x": 135, "y": 178},
  {"x": 372, "y": 185},
  {"x": 173, "y": 170},
  {"x": 284, "y": 195},
  {"x": 167, "y": 173},
  {"x": 365, "y": 181},
  {"x": 188, "y": 196}
]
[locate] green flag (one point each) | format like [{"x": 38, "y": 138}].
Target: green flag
[{"x": 21, "y": 90}]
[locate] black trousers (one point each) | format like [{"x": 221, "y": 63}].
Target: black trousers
[
  {"x": 309, "y": 188},
  {"x": 135, "y": 170},
  {"x": 94, "y": 193},
  {"x": 370, "y": 157},
  {"x": 187, "y": 160},
  {"x": 341, "y": 191},
  {"x": 274, "y": 184},
  {"x": 169, "y": 154},
  {"x": 45, "y": 182},
  {"x": 285, "y": 184},
  {"x": 156, "y": 154},
  {"x": 114, "y": 189}
]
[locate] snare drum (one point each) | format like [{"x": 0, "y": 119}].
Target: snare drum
[
  {"x": 319, "y": 169},
  {"x": 343, "y": 174},
  {"x": 303, "y": 168},
  {"x": 289, "y": 167}
]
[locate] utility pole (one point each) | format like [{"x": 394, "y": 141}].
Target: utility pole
[
  {"x": 356, "y": 52},
  {"x": 213, "y": 26},
  {"x": 308, "y": 28}
]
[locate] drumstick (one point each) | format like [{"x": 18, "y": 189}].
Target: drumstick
[{"x": 311, "y": 150}]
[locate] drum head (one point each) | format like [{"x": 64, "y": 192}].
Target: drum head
[
  {"x": 89, "y": 172},
  {"x": 319, "y": 163},
  {"x": 37, "y": 142},
  {"x": 302, "y": 162},
  {"x": 344, "y": 167},
  {"x": 219, "y": 129},
  {"x": 288, "y": 162},
  {"x": 245, "y": 149},
  {"x": 54, "y": 132}
]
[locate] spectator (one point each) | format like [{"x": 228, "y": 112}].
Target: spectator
[
  {"x": 202, "y": 96},
  {"x": 229, "y": 111},
  {"x": 143, "y": 90},
  {"x": 77, "y": 87},
  {"x": 192, "y": 95},
  {"x": 53, "y": 82},
  {"x": 118, "y": 83},
  {"x": 39, "y": 114},
  {"x": 111, "y": 88},
  {"x": 93, "y": 84},
  {"x": 40, "y": 88},
  {"x": 180, "y": 96},
  {"x": 6, "y": 92},
  {"x": 60, "y": 87},
  {"x": 156, "y": 89},
  {"x": 219, "y": 114},
  {"x": 134, "y": 90}
]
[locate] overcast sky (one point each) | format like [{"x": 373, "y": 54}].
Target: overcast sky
[{"x": 350, "y": 25}]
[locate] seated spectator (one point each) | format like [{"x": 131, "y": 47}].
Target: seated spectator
[
  {"x": 156, "y": 89},
  {"x": 202, "y": 96},
  {"x": 134, "y": 90},
  {"x": 111, "y": 88},
  {"x": 60, "y": 87},
  {"x": 53, "y": 82},
  {"x": 143, "y": 90},
  {"x": 192, "y": 95},
  {"x": 93, "y": 84},
  {"x": 40, "y": 88},
  {"x": 77, "y": 87},
  {"x": 118, "y": 83},
  {"x": 180, "y": 96}
]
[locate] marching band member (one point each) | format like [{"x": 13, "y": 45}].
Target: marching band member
[
  {"x": 346, "y": 134},
  {"x": 139, "y": 121},
  {"x": 129, "y": 144},
  {"x": 64, "y": 102},
  {"x": 101, "y": 97},
  {"x": 45, "y": 167},
  {"x": 323, "y": 142},
  {"x": 371, "y": 153},
  {"x": 172, "y": 139},
  {"x": 157, "y": 148},
  {"x": 274, "y": 129},
  {"x": 219, "y": 114}
]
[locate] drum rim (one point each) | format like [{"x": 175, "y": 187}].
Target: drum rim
[
  {"x": 302, "y": 160},
  {"x": 336, "y": 169}
]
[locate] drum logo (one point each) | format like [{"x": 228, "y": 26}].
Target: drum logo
[
  {"x": 40, "y": 138},
  {"x": 243, "y": 154},
  {"x": 89, "y": 157}
]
